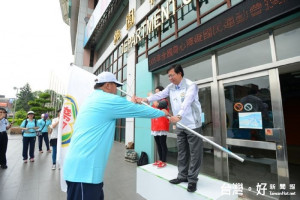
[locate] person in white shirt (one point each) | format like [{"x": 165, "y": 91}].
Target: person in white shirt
[
  {"x": 186, "y": 108},
  {"x": 53, "y": 138}
]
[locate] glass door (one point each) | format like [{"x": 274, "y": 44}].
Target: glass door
[
  {"x": 252, "y": 127},
  {"x": 205, "y": 98}
]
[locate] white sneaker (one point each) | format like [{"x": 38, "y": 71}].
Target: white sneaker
[{"x": 53, "y": 167}]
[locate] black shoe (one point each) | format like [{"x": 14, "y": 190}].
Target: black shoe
[
  {"x": 177, "y": 181},
  {"x": 192, "y": 187},
  {"x": 4, "y": 166}
]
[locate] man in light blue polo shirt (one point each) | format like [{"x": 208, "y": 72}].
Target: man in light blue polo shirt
[
  {"x": 93, "y": 137},
  {"x": 43, "y": 123}
]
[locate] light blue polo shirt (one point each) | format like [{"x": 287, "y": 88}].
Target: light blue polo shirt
[
  {"x": 93, "y": 134},
  {"x": 30, "y": 132},
  {"x": 41, "y": 124}
]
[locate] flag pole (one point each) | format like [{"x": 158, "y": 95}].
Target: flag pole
[{"x": 199, "y": 135}]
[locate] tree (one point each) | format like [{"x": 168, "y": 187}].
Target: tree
[
  {"x": 21, "y": 114},
  {"x": 37, "y": 93},
  {"x": 39, "y": 104},
  {"x": 24, "y": 96}
]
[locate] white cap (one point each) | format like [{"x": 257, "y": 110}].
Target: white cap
[
  {"x": 106, "y": 77},
  {"x": 30, "y": 112}
]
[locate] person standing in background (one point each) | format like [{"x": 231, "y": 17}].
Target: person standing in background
[
  {"x": 4, "y": 126},
  {"x": 53, "y": 138},
  {"x": 160, "y": 129},
  {"x": 29, "y": 126},
  {"x": 43, "y": 123}
]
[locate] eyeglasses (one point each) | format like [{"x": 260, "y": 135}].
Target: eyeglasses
[{"x": 171, "y": 75}]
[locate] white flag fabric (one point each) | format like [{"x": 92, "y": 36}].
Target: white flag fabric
[{"x": 80, "y": 86}]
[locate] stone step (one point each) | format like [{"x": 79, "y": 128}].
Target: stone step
[{"x": 153, "y": 184}]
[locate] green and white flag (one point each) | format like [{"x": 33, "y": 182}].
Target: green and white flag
[{"x": 80, "y": 86}]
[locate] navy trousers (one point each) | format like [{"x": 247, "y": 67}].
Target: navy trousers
[
  {"x": 84, "y": 191},
  {"x": 28, "y": 141},
  {"x": 46, "y": 139}
]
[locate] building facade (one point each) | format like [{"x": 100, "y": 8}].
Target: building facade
[
  {"x": 244, "y": 55},
  {"x": 8, "y": 105}
]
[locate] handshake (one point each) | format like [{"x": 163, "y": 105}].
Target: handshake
[{"x": 139, "y": 100}]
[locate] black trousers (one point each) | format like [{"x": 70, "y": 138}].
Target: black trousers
[
  {"x": 46, "y": 139},
  {"x": 84, "y": 191},
  {"x": 3, "y": 147},
  {"x": 162, "y": 149}
]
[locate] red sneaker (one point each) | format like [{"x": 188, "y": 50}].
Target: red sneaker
[
  {"x": 161, "y": 165},
  {"x": 156, "y": 163}
]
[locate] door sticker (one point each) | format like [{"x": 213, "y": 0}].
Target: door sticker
[
  {"x": 250, "y": 120},
  {"x": 238, "y": 107},
  {"x": 269, "y": 131},
  {"x": 248, "y": 106}
]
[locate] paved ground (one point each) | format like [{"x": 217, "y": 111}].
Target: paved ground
[{"x": 37, "y": 181}]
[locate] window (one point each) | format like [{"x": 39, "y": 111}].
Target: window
[
  {"x": 287, "y": 41},
  {"x": 246, "y": 54},
  {"x": 186, "y": 18},
  {"x": 198, "y": 69}
]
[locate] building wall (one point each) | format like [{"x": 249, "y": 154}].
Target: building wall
[
  {"x": 108, "y": 45},
  {"x": 143, "y": 139},
  {"x": 80, "y": 54},
  {"x": 140, "y": 81}
]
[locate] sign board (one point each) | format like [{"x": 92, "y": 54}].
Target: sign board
[
  {"x": 3, "y": 104},
  {"x": 241, "y": 18}
]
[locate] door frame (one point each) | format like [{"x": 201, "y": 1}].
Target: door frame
[{"x": 278, "y": 123}]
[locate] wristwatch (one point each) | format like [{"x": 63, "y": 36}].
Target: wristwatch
[{"x": 179, "y": 117}]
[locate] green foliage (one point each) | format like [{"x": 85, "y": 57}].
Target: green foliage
[
  {"x": 36, "y": 94},
  {"x": 21, "y": 114},
  {"x": 24, "y": 96},
  {"x": 45, "y": 95},
  {"x": 34, "y": 103},
  {"x": 17, "y": 121},
  {"x": 39, "y": 110},
  {"x": 39, "y": 104},
  {"x": 38, "y": 101}
]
